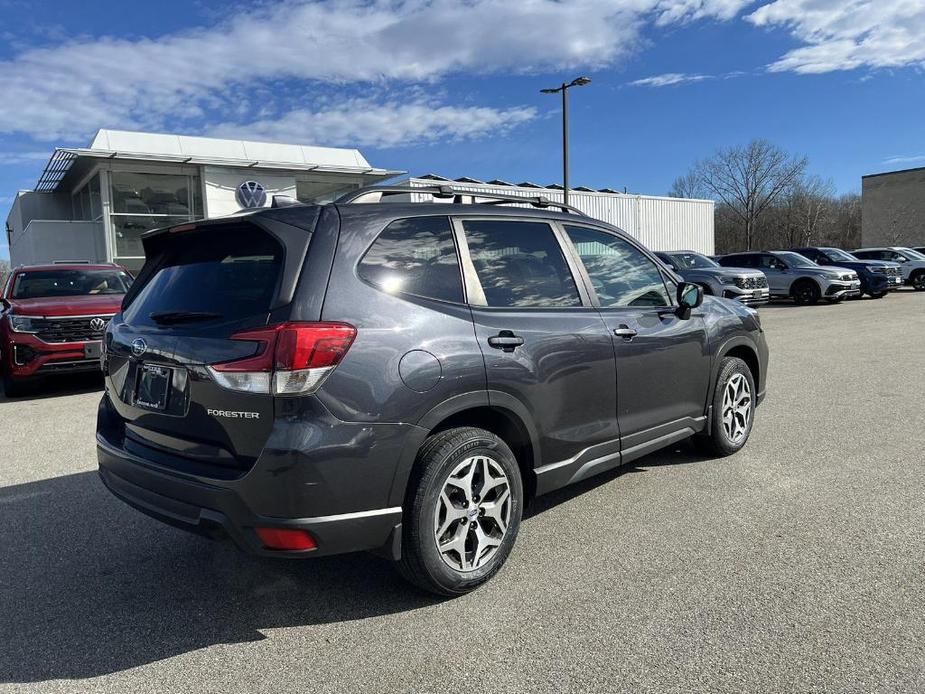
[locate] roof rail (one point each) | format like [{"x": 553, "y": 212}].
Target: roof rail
[{"x": 444, "y": 192}]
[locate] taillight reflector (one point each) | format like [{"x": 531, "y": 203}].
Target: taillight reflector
[{"x": 286, "y": 538}]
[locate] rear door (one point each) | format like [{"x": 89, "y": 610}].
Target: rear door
[
  {"x": 663, "y": 362},
  {"x": 544, "y": 345},
  {"x": 198, "y": 289}
]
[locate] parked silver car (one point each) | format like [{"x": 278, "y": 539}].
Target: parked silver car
[
  {"x": 791, "y": 275},
  {"x": 911, "y": 262},
  {"x": 745, "y": 285}
]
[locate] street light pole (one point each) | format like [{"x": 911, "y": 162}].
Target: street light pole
[{"x": 564, "y": 87}]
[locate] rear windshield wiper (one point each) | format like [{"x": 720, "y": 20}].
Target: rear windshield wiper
[{"x": 172, "y": 317}]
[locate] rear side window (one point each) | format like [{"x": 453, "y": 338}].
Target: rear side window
[
  {"x": 232, "y": 273},
  {"x": 415, "y": 256},
  {"x": 520, "y": 264}
]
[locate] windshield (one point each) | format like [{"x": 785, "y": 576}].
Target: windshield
[
  {"x": 911, "y": 254},
  {"x": 33, "y": 284},
  {"x": 839, "y": 254},
  {"x": 795, "y": 259},
  {"x": 691, "y": 261}
]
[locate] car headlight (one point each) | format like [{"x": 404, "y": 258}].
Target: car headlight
[
  {"x": 23, "y": 324},
  {"x": 727, "y": 280},
  {"x": 878, "y": 269}
]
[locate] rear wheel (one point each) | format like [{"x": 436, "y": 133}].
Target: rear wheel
[
  {"x": 462, "y": 513},
  {"x": 733, "y": 410},
  {"x": 918, "y": 280},
  {"x": 805, "y": 292}
]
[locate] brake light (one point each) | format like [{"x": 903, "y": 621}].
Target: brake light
[
  {"x": 292, "y": 359},
  {"x": 285, "y": 538}
]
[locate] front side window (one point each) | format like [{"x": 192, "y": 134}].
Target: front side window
[
  {"x": 415, "y": 256},
  {"x": 692, "y": 261},
  {"x": 47, "y": 283},
  {"x": 520, "y": 264},
  {"x": 622, "y": 275}
]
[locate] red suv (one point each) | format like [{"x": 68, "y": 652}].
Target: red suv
[{"x": 53, "y": 317}]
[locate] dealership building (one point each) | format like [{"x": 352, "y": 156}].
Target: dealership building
[
  {"x": 93, "y": 204},
  {"x": 893, "y": 208}
]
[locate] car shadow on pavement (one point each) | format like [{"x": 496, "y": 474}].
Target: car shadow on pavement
[
  {"x": 65, "y": 384},
  {"x": 91, "y": 587}
]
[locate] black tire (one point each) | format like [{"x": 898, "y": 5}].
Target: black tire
[
  {"x": 716, "y": 441},
  {"x": 422, "y": 562},
  {"x": 917, "y": 280},
  {"x": 11, "y": 387},
  {"x": 805, "y": 292}
]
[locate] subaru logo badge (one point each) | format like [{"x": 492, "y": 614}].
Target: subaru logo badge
[
  {"x": 251, "y": 194},
  {"x": 97, "y": 325},
  {"x": 139, "y": 346}
]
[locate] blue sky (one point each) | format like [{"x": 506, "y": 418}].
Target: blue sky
[{"x": 453, "y": 88}]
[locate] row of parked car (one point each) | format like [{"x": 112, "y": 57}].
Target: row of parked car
[{"x": 805, "y": 275}]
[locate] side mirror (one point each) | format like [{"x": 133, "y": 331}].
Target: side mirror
[{"x": 690, "y": 296}]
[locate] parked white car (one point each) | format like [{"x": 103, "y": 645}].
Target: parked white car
[{"x": 911, "y": 262}]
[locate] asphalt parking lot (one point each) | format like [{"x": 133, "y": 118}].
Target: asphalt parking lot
[{"x": 796, "y": 565}]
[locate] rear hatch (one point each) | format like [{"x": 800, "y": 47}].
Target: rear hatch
[{"x": 200, "y": 289}]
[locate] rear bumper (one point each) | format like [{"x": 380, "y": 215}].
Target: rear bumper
[
  {"x": 340, "y": 493},
  {"x": 28, "y": 356},
  {"x": 218, "y": 512}
]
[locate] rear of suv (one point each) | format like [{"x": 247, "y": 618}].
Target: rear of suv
[{"x": 404, "y": 378}]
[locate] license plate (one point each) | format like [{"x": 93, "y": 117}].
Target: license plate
[
  {"x": 756, "y": 294},
  {"x": 153, "y": 387},
  {"x": 92, "y": 350},
  {"x": 897, "y": 280}
]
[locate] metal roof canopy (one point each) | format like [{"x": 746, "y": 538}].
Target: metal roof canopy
[{"x": 181, "y": 149}]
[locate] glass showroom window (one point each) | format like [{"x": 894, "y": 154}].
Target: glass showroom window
[
  {"x": 87, "y": 205},
  {"x": 145, "y": 201}
]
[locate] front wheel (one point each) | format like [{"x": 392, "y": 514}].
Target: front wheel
[
  {"x": 462, "y": 513},
  {"x": 918, "y": 281},
  {"x": 806, "y": 292},
  {"x": 733, "y": 410}
]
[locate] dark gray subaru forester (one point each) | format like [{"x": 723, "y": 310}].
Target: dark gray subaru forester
[{"x": 405, "y": 376}]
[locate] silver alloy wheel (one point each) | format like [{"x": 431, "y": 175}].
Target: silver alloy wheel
[
  {"x": 472, "y": 513},
  {"x": 737, "y": 408}
]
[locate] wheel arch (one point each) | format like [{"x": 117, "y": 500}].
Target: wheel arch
[
  {"x": 497, "y": 412},
  {"x": 743, "y": 348}
]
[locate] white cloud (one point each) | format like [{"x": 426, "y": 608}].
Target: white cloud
[
  {"x": 847, "y": 34},
  {"x": 68, "y": 90},
  {"x": 904, "y": 159},
  {"x": 8, "y": 158},
  {"x": 364, "y": 123},
  {"x": 668, "y": 79}
]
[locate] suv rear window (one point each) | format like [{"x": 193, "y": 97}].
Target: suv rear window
[{"x": 233, "y": 273}]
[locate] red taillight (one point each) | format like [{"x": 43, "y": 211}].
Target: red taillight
[
  {"x": 292, "y": 358},
  {"x": 313, "y": 345},
  {"x": 285, "y": 538}
]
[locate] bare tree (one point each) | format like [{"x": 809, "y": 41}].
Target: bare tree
[
  {"x": 687, "y": 186},
  {"x": 748, "y": 180},
  {"x": 802, "y": 211}
]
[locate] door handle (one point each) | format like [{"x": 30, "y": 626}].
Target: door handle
[
  {"x": 505, "y": 340},
  {"x": 624, "y": 331}
]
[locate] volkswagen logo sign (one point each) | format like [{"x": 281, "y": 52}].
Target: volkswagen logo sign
[
  {"x": 251, "y": 194},
  {"x": 139, "y": 346},
  {"x": 97, "y": 325}
]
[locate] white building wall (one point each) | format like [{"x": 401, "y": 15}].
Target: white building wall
[
  {"x": 660, "y": 223},
  {"x": 44, "y": 241}
]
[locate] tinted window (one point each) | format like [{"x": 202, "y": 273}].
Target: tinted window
[
  {"x": 520, "y": 264},
  {"x": 415, "y": 256},
  {"x": 738, "y": 261},
  {"x": 37, "y": 283},
  {"x": 232, "y": 273},
  {"x": 621, "y": 274}
]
